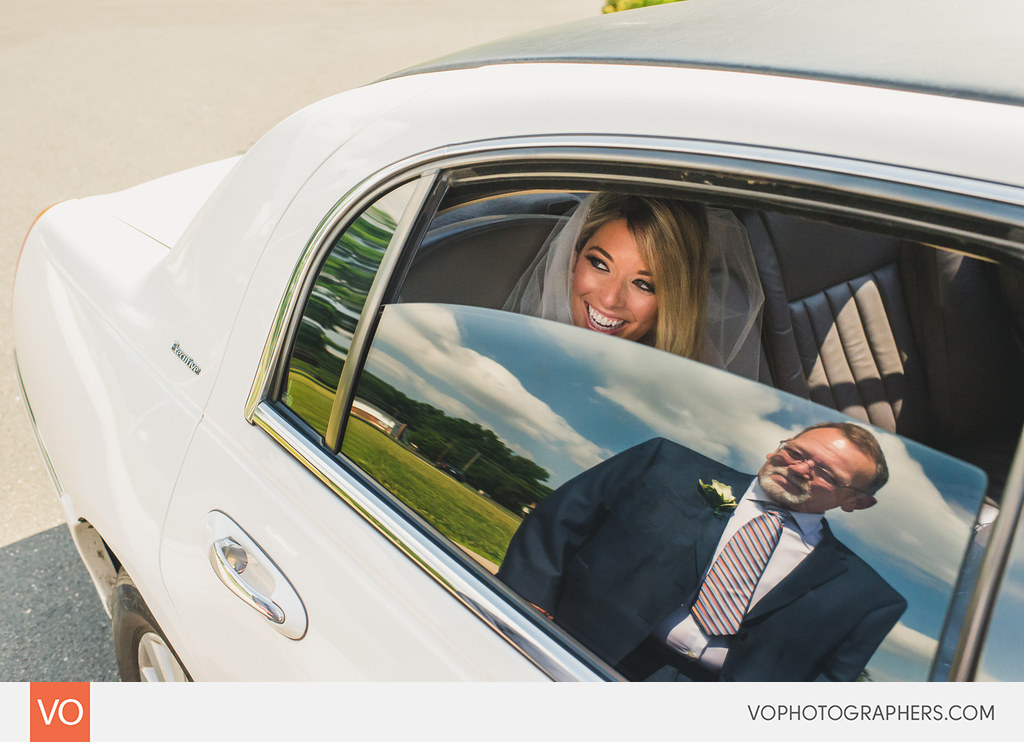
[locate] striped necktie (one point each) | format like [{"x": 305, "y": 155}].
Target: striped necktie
[{"x": 725, "y": 594}]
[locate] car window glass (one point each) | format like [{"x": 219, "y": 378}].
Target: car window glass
[
  {"x": 472, "y": 417},
  {"x": 334, "y": 306},
  {"x": 1001, "y": 658},
  {"x": 903, "y": 334}
]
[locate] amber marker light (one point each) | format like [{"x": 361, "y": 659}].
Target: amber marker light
[{"x": 35, "y": 221}]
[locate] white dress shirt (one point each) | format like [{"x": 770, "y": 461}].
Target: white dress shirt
[{"x": 801, "y": 532}]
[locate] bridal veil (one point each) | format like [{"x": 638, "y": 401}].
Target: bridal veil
[{"x": 735, "y": 298}]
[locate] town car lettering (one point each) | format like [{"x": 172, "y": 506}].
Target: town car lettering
[{"x": 186, "y": 359}]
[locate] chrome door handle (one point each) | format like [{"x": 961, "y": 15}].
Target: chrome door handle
[
  {"x": 264, "y": 587},
  {"x": 229, "y": 560}
]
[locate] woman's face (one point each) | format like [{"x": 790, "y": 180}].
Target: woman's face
[{"x": 612, "y": 286}]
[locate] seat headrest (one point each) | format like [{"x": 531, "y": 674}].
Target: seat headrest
[{"x": 814, "y": 256}]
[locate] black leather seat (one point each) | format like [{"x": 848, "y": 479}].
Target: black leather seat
[
  {"x": 910, "y": 338},
  {"x": 477, "y": 263},
  {"x": 474, "y": 255}
]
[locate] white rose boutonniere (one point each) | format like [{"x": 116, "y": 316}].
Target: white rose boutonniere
[{"x": 718, "y": 496}]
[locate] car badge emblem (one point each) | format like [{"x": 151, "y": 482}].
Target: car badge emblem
[{"x": 186, "y": 359}]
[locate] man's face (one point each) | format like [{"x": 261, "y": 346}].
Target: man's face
[{"x": 817, "y": 471}]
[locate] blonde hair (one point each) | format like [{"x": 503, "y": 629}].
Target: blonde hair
[{"x": 671, "y": 237}]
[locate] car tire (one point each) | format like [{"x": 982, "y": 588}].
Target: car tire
[{"x": 143, "y": 652}]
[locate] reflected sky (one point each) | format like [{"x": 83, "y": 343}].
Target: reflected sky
[
  {"x": 568, "y": 398},
  {"x": 1002, "y": 657}
]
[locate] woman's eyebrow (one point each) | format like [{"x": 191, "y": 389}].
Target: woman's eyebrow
[
  {"x": 601, "y": 250},
  {"x": 610, "y": 259}
]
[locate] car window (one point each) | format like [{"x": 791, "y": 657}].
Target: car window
[
  {"x": 474, "y": 417},
  {"x": 334, "y": 305},
  {"x": 915, "y": 337},
  {"x": 1001, "y": 658}
]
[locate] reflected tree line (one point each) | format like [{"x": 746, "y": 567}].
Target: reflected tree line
[
  {"x": 484, "y": 461},
  {"x": 331, "y": 313},
  {"x": 322, "y": 341}
]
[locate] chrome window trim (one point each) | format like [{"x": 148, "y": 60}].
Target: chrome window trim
[
  {"x": 337, "y": 219},
  {"x": 652, "y": 150},
  {"x": 538, "y": 645},
  {"x": 921, "y": 190},
  {"x": 874, "y": 182},
  {"x": 361, "y": 335},
  {"x": 967, "y": 658}
]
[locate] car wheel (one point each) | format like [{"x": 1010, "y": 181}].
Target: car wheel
[{"x": 143, "y": 652}]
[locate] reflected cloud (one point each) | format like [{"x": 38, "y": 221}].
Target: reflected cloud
[
  {"x": 725, "y": 421},
  {"x": 1012, "y": 591},
  {"x": 399, "y": 374},
  {"x": 909, "y": 645},
  {"x": 738, "y": 423},
  {"x": 567, "y": 398},
  {"x": 431, "y": 336},
  {"x": 914, "y": 520}
]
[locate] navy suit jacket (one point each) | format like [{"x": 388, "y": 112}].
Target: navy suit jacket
[{"x": 613, "y": 551}]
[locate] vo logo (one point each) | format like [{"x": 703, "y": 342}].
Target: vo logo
[{"x": 59, "y": 712}]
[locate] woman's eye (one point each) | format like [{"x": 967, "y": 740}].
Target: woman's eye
[
  {"x": 645, "y": 286},
  {"x": 597, "y": 263}
]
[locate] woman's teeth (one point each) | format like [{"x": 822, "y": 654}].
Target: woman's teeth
[{"x": 603, "y": 321}]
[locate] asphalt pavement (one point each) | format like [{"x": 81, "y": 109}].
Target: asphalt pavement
[{"x": 98, "y": 95}]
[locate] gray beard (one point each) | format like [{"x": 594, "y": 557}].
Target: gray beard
[{"x": 776, "y": 492}]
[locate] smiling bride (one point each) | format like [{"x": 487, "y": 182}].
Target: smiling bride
[{"x": 673, "y": 275}]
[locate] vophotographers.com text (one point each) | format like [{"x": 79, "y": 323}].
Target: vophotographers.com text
[{"x": 870, "y": 712}]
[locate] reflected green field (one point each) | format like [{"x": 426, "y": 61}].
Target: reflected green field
[
  {"x": 466, "y": 517},
  {"x": 308, "y": 398}
]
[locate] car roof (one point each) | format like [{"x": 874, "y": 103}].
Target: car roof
[{"x": 948, "y": 47}]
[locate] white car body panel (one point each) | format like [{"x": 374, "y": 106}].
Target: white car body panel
[
  {"x": 136, "y": 423},
  {"x": 372, "y": 614},
  {"x": 163, "y": 208},
  {"x": 792, "y": 114},
  {"x": 117, "y": 428}
]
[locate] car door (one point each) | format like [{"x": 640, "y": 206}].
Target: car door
[
  {"x": 402, "y": 424},
  {"x": 273, "y": 575}
]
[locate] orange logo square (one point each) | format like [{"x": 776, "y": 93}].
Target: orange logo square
[{"x": 59, "y": 712}]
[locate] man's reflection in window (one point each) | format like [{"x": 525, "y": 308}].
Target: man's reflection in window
[{"x": 672, "y": 566}]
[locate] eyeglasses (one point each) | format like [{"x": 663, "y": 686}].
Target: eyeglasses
[{"x": 824, "y": 476}]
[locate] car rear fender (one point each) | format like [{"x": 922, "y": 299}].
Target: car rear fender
[{"x": 114, "y": 407}]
